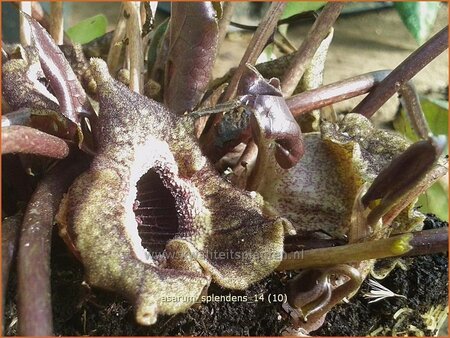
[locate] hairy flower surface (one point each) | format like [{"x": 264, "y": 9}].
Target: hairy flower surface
[
  {"x": 204, "y": 229},
  {"x": 320, "y": 191}
]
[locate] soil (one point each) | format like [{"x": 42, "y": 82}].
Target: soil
[
  {"x": 79, "y": 310},
  {"x": 424, "y": 283}
]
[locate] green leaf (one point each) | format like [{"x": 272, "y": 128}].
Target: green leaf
[
  {"x": 436, "y": 114},
  {"x": 88, "y": 29},
  {"x": 296, "y": 7},
  {"x": 418, "y": 17},
  {"x": 435, "y": 201},
  {"x": 156, "y": 44}
]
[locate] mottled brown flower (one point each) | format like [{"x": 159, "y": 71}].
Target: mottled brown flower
[
  {"x": 320, "y": 191},
  {"x": 195, "y": 226}
]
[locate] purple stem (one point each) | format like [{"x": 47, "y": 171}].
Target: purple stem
[
  {"x": 427, "y": 242},
  {"x": 10, "y": 238},
  {"x": 303, "y": 242},
  {"x": 411, "y": 102},
  {"x": 21, "y": 117},
  {"x": 27, "y": 140},
  {"x": 334, "y": 92},
  {"x": 305, "y": 53},
  {"x": 33, "y": 290},
  {"x": 257, "y": 44},
  {"x": 403, "y": 73},
  {"x": 228, "y": 10}
]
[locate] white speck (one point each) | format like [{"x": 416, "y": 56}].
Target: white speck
[
  {"x": 228, "y": 171},
  {"x": 379, "y": 292},
  {"x": 27, "y": 244},
  {"x": 13, "y": 322}
]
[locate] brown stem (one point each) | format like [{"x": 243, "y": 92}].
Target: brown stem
[
  {"x": 343, "y": 254},
  {"x": 116, "y": 46},
  {"x": 41, "y": 16},
  {"x": 410, "y": 244},
  {"x": 10, "y": 238},
  {"x": 305, "y": 53},
  {"x": 34, "y": 294},
  {"x": 302, "y": 242},
  {"x": 344, "y": 290},
  {"x": 256, "y": 45},
  {"x": 57, "y": 23},
  {"x": 228, "y": 9},
  {"x": 334, "y": 92},
  {"x": 26, "y": 140},
  {"x": 21, "y": 117},
  {"x": 411, "y": 102},
  {"x": 296, "y": 18},
  {"x": 284, "y": 45},
  {"x": 244, "y": 164},
  {"x": 403, "y": 73},
  {"x": 148, "y": 13},
  {"x": 134, "y": 48},
  {"x": 428, "y": 242}
]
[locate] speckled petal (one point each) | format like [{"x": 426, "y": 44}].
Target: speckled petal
[
  {"x": 319, "y": 192},
  {"x": 215, "y": 220}
]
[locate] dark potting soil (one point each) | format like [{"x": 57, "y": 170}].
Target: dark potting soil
[
  {"x": 78, "y": 310},
  {"x": 424, "y": 283}
]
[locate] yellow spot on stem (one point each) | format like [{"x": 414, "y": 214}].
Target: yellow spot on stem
[
  {"x": 374, "y": 203},
  {"x": 401, "y": 245}
]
